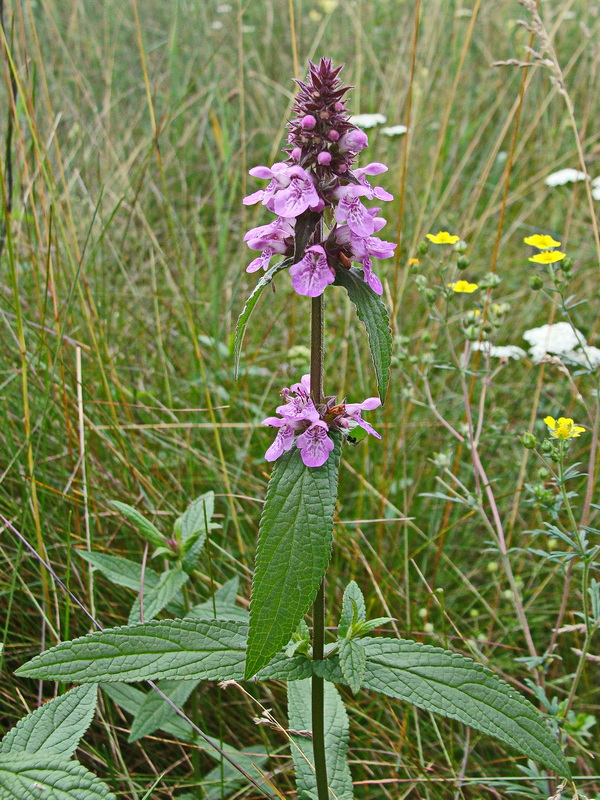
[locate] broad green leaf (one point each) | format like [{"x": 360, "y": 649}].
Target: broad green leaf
[
  {"x": 153, "y": 709},
  {"x": 353, "y": 609},
  {"x": 57, "y": 726},
  {"x": 149, "y": 531},
  {"x": 223, "y": 607},
  {"x": 294, "y": 547},
  {"x": 286, "y": 668},
  {"x": 178, "y": 649},
  {"x": 353, "y": 660},
  {"x": 457, "y": 687},
  {"x": 372, "y": 312},
  {"x": 229, "y": 778},
  {"x": 43, "y": 776},
  {"x": 240, "y": 328},
  {"x": 336, "y": 742},
  {"x": 121, "y": 571},
  {"x": 159, "y": 596},
  {"x": 130, "y": 699}
]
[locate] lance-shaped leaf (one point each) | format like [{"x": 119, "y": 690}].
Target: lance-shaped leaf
[
  {"x": 457, "y": 687},
  {"x": 178, "y": 649},
  {"x": 158, "y": 597},
  {"x": 149, "y": 531},
  {"x": 336, "y": 741},
  {"x": 27, "y": 776},
  {"x": 294, "y": 547},
  {"x": 372, "y": 312},
  {"x": 55, "y": 727},
  {"x": 240, "y": 328},
  {"x": 121, "y": 571},
  {"x": 224, "y": 779},
  {"x": 130, "y": 699},
  {"x": 353, "y": 662},
  {"x": 154, "y": 709}
]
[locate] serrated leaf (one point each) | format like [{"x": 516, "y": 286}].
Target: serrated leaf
[
  {"x": 130, "y": 699},
  {"x": 370, "y": 624},
  {"x": 178, "y": 649},
  {"x": 41, "y": 776},
  {"x": 286, "y": 668},
  {"x": 353, "y": 609},
  {"x": 240, "y": 328},
  {"x": 294, "y": 547},
  {"x": 121, "y": 571},
  {"x": 457, "y": 687},
  {"x": 149, "y": 531},
  {"x": 224, "y": 780},
  {"x": 159, "y": 596},
  {"x": 336, "y": 741},
  {"x": 353, "y": 660},
  {"x": 154, "y": 710},
  {"x": 373, "y": 313},
  {"x": 57, "y": 726}
]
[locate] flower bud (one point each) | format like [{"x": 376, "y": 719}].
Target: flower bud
[
  {"x": 528, "y": 440},
  {"x": 423, "y": 248},
  {"x": 308, "y": 122},
  {"x": 333, "y": 135},
  {"x": 324, "y": 158},
  {"x": 462, "y": 262},
  {"x": 489, "y": 281},
  {"x": 536, "y": 283},
  {"x": 547, "y": 446},
  {"x": 460, "y": 246},
  {"x": 543, "y": 473},
  {"x": 296, "y": 154},
  {"x": 354, "y": 141}
]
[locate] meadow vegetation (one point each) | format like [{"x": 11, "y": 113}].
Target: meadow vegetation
[{"x": 121, "y": 279}]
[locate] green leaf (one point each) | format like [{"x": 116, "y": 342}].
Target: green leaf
[
  {"x": 57, "y": 726},
  {"x": 193, "y": 527},
  {"x": 224, "y": 604},
  {"x": 353, "y": 609},
  {"x": 286, "y": 668},
  {"x": 294, "y": 547},
  {"x": 372, "y": 312},
  {"x": 41, "y": 776},
  {"x": 336, "y": 741},
  {"x": 457, "y": 687},
  {"x": 153, "y": 709},
  {"x": 227, "y": 776},
  {"x": 149, "y": 531},
  {"x": 240, "y": 328},
  {"x": 121, "y": 571},
  {"x": 353, "y": 660},
  {"x": 159, "y": 596},
  {"x": 178, "y": 649},
  {"x": 130, "y": 699}
]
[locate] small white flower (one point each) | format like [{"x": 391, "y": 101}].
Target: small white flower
[
  {"x": 565, "y": 176},
  {"x": 395, "y": 130},
  {"x": 248, "y": 28},
  {"x": 367, "y": 120},
  {"x": 223, "y": 8},
  {"x": 558, "y": 339},
  {"x": 596, "y": 188},
  {"x": 586, "y": 356},
  {"x": 216, "y": 25},
  {"x": 500, "y": 351}
]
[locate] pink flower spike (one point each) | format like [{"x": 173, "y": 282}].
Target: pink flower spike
[
  {"x": 315, "y": 445},
  {"x": 370, "y": 278},
  {"x": 352, "y": 211},
  {"x": 312, "y": 274},
  {"x": 369, "y": 404}
]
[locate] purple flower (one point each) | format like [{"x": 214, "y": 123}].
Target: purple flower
[
  {"x": 375, "y": 168},
  {"x": 299, "y": 195},
  {"x": 311, "y": 424},
  {"x": 354, "y": 141},
  {"x": 277, "y": 237},
  {"x": 315, "y": 444},
  {"x": 352, "y": 211},
  {"x": 278, "y": 176},
  {"x": 354, "y": 411},
  {"x": 312, "y": 273},
  {"x": 364, "y": 248}
]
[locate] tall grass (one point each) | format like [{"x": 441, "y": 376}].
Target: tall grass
[{"x": 134, "y": 126}]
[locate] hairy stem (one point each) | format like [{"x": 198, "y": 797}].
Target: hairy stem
[{"x": 317, "y": 704}]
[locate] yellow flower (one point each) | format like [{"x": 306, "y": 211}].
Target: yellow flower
[
  {"x": 563, "y": 428},
  {"x": 463, "y": 287},
  {"x": 443, "y": 237},
  {"x": 413, "y": 262},
  {"x": 542, "y": 241},
  {"x": 548, "y": 257}
]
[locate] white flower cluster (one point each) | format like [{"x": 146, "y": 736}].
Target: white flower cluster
[
  {"x": 500, "y": 351},
  {"x": 570, "y": 175},
  {"x": 561, "y": 339}
]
